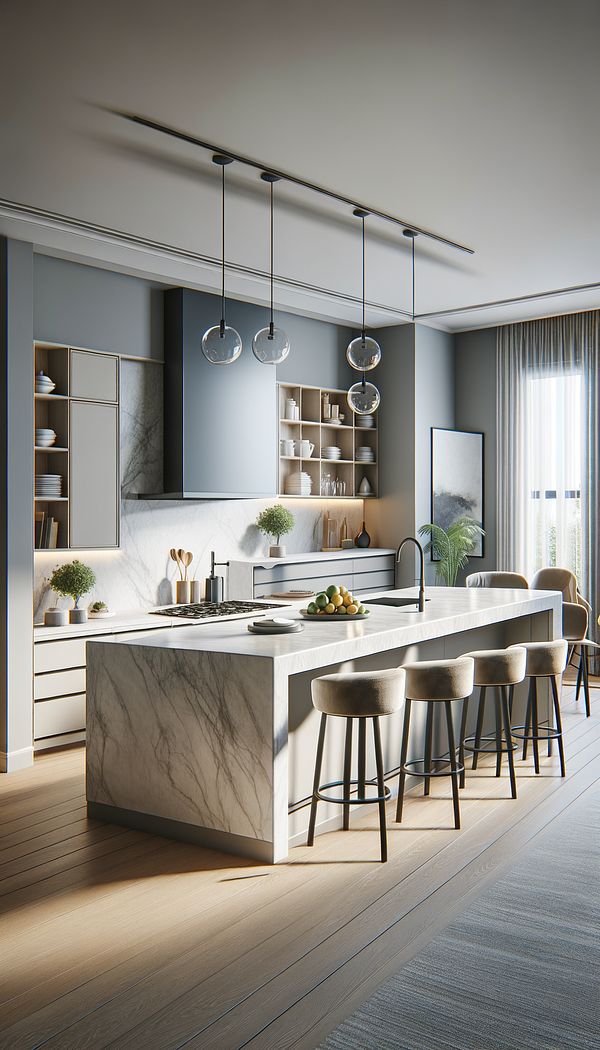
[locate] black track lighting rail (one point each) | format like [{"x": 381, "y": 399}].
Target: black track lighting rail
[{"x": 250, "y": 162}]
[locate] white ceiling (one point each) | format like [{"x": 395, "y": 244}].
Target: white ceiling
[{"x": 477, "y": 120}]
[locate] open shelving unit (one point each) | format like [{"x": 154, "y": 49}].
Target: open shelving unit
[
  {"x": 348, "y": 435},
  {"x": 83, "y": 410}
]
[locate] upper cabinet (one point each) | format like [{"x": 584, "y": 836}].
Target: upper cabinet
[
  {"x": 94, "y": 377},
  {"x": 220, "y": 421},
  {"x": 76, "y": 488}
]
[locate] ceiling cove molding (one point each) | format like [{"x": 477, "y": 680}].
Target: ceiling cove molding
[
  {"x": 497, "y": 304},
  {"x": 55, "y": 234}
]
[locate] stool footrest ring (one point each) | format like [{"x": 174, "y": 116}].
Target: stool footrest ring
[
  {"x": 407, "y": 768},
  {"x": 487, "y": 750},
  {"x": 350, "y": 801},
  {"x": 543, "y": 733}
]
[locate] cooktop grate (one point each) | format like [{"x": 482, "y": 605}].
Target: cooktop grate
[{"x": 203, "y": 610}]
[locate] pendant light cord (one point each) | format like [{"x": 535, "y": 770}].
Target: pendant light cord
[
  {"x": 413, "y": 279},
  {"x": 222, "y": 248},
  {"x": 271, "y": 325},
  {"x": 363, "y": 278}
]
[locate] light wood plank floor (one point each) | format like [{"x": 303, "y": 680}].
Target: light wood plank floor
[{"x": 110, "y": 937}]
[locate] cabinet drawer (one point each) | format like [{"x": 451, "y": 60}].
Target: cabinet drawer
[
  {"x": 303, "y": 584},
  {"x": 375, "y": 564},
  {"x": 373, "y": 581},
  {"x": 53, "y": 717},
  {"x": 307, "y": 570},
  {"x": 57, "y": 656},
  {"x": 59, "y": 683},
  {"x": 94, "y": 377}
]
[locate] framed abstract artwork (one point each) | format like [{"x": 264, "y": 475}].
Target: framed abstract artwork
[{"x": 457, "y": 479}]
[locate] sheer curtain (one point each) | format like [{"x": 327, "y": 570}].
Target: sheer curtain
[{"x": 547, "y": 448}]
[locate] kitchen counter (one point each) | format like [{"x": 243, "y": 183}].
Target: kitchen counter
[
  {"x": 139, "y": 619},
  {"x": 208, "y": 733}
]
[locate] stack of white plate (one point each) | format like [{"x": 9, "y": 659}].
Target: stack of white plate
[
  {"x": 43, "y": 384},
  {"x": 366, "y": 421},
  {"x": 331, "y": 452},
  {"x": 45, "y": 437},
  {"x": 298, "y": 484},
  {"x": 364, "y": 454},
  {"x": 48, "y": 485}
]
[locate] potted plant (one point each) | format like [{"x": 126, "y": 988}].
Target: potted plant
[
  {"x": 73, "y": 580},
  {"x": 451, "y": 546},
  {"x": 276, "y": 522}
]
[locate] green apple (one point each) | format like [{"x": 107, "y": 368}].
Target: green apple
[
  {"x": 313, "y": 608},
  {"x": 321, "y": 601},
  {"x": 331, "y": 590}
]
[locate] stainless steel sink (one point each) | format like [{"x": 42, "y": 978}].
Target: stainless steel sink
[{"x": 395, "y": 603}]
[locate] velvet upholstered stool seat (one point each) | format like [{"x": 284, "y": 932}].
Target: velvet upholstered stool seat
[
  {"x": 434, "y": 682},
  {"x": 544, "y": 660},
  {"x": 361, "y": 695},
  {"x": 501, "y": 670}
]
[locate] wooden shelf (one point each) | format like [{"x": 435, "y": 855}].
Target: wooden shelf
[
  {"x": 51, "y": 499},
  {"x": 51, "y": 397},
  {"x": 49, "y": 448},
  {"x": 350, "y": 435}
]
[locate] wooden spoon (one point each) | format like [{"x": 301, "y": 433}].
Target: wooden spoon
[
  {"x": 175, "y": 557},
  {"x": 187, "y": 559}
]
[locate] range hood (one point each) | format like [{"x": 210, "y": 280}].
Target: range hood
[{"x": 220, "y": 432}]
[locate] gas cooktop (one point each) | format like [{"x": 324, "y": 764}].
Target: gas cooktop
[{"x": 216, "y": 610}]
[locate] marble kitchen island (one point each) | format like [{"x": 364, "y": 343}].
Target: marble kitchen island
[{"x": 207, "y": 733}]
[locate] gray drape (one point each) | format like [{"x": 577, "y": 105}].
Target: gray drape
[{"x": 554, "y": 345}]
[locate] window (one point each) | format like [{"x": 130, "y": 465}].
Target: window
[{"x": 553, "y": 471}]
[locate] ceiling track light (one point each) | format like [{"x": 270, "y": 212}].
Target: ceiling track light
[
  {"x": 271, "y": 345},
  {"x": 221, "y": 344},
  {"x": 364, "y": 352}
]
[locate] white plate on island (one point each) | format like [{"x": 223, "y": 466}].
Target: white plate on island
[{"x": 275, "y": 626}]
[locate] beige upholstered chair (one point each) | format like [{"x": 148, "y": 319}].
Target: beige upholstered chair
[
  {"x": 497, "y": 579},
  {"x": 544, "y": 660},
  {"x": 576, "y": 612}
]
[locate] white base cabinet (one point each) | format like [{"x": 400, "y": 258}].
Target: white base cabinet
[{"x": 372, "y": 569}]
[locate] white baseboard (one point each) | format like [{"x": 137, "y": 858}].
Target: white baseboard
[{"x": 12, "y": 761}]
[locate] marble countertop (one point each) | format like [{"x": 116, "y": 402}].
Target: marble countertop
[
  {"x": 450, "y": 610},
  {"x": 131, "y": 621},
  {"x": 311, "y": 556}
]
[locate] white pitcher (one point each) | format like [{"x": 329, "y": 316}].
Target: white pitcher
[{"x": 306, "y": 448}]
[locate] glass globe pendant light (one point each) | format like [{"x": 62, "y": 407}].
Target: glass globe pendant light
[
  {"x": 364, "y": 352},
  {"x": 363, "y": 398},
  {"x": 221, "y": 344},
  {"x": 271, "y": 345}
]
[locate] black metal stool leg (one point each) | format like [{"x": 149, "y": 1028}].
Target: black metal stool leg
[
  {"x": 380, "y": 788},
  {"x": 463, "y": 731},
  {"x": 579, "y": 674},
  {"x": 550, "y": 737},
  {"x": 479, "y": 727},
  {"x": 453, "y": 767},
  {"x": 347, "y": 771},
  {"x": 508, "y": 740},
  {"x": 362, "y": 757},
  {"x": 403, "y": 754},
  {"x": 535, "y": 727},
  {"x": 498, "y": 717},
  {"x": 561, "y": 750},
  {"x": 528, "y": 718},
  {"x": 511, "y": 701},
  {"x": 586, "y": 680},
  {"x": 428, "y": 746},
  {"x": 316, "y": 782}
]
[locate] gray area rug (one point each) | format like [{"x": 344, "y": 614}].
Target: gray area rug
[{"x": 519, "y": 970}]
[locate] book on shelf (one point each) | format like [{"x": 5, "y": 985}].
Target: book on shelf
[{"x": 46, "y": 531}]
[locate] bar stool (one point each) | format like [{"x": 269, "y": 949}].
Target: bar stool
[
  {"x": 361, "y": 695},
  {"x": 544, "y": 660},
  {"x": 434, "y": 682},
  {"x": 500, "y": 669}
]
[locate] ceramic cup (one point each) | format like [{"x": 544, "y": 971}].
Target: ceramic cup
[
  {"x": 287, "y": 447},
  {"x": 183, "y": 591},
  {"x": 306, "y": 448}
]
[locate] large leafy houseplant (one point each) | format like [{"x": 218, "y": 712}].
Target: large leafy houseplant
[
  {"x": 276, "y": 522},
  {"x": 451, "y": 546}
]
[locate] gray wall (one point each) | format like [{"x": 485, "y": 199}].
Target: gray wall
[
  {"x": 475, "y": 400},
  {"x": 16, "y": 517},
  {"x": 97, "y": 309}
]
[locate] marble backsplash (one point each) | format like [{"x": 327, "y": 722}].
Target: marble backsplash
[{"x": 141, "y": 573}]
